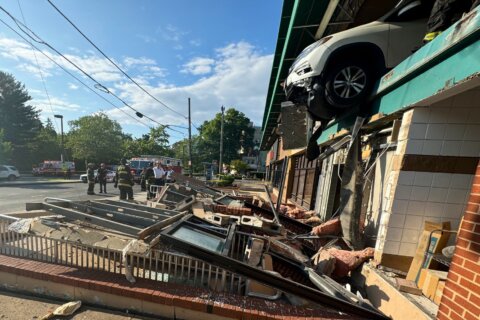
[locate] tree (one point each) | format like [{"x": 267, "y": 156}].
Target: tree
[
  {"x": 239, "y": 165},
  {"x": 5, "y": 149},
  {"x": 237, "y": 136},
  {"x": 95, "y": 139},
  {"x": 19, "y": 121},
  {"x": 153, "y": 143},
  {"x": 46, "y": 145}
]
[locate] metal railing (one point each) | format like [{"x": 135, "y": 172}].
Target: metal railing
[{"x": 156, "y": 265}]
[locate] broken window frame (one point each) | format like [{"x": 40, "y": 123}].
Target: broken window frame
[{"x": 303, "y": 171}]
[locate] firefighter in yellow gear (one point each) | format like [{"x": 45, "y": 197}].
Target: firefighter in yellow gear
[{"x": 124, "y": 181}]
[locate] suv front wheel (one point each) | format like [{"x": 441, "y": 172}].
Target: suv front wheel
[{"x": 348, "y": 83}]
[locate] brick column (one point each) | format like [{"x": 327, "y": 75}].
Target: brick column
[{"x": 461, "y": 297}]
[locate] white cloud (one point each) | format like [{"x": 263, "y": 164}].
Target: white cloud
[
  {"x": 130, "y": 61},
  {"x": 72, "y": 86},
  {"x": 239, "y": 78},
  {"x": 198, "y": 66},
  {"x": 236, "y": 75},
  {"x": 195, "y": 43},
  {"x": 147, "y": 38}
]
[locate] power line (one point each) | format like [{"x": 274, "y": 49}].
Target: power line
[
  {"x": 112, "y": 62},
  {"x": 40, "y": 72},
  {"x": 72, "y": 75},
  {"x": 97, "y": 85}
]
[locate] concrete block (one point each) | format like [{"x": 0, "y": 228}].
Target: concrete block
[
  {"x": 454, "y": 132},
  {"x": 435, "y": 131},
  {"x": 432, "y": 147},
  {"x": 419, "y": 193},
  {"x": 439, "y": 115},
  {"x": 457, "y": 195},
  {"x": 399, "y": 206},
  {"x": 396, "y": 221},
  {"x": 470, "y": 149},
  {"x": 406, "y": 178},
  {"x": 437, "y": 195},
  {"x": 413, "y": 222},
  {"x": 416, "y": 208},
  {"x": 391, "y": 247},
  {"x": 461, "y": 181},
  {"x": 441, "y": 180},
  {"x": 410, "y": 236},
  {"x": 458, "y": 115},
  {"x": 451, "y": 148},
  {"x": 394, "y": 234},
  {"x": 434, "y": 209},
  {"x": 423, "y": 179},
  {"x": 157, "y": 309},
  {"x": 417, "y": 131},
  {"x": 420, "y": 115},
  {"x": 414, "y": 146},
  {"x": 472, "y": 132},
  {"x": 403, "y": 192},
  {"x": 407, "y": 249}
]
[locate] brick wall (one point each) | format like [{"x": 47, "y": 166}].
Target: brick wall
[{"x": 461, "y": 297}]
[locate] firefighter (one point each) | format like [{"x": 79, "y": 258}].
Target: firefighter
[
  {"x": 102, "y": 178},
  {"x": 124, "y": 181},
  {"x": 149, "y": 179},
  {"x": 143, "y": 182},
  {"x": 91, "y": 178}
]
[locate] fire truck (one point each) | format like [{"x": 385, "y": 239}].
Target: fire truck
[
  {"x": 138, "y": 163},
  {"x": 53, "y": 168}
]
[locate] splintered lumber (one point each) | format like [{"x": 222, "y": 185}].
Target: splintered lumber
[
  {"x": 408, "y": 286},
  {"x": 142, "y": 234}
]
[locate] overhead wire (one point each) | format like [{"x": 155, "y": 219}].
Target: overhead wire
[
  {"x": 72, "y": 75},
  {"x": 112, "y": 62},
  {"x": 40, "y": 72},
  {"x": 97, "y": 84}
]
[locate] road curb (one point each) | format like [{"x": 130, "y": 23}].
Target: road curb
[{"x": 22, "y": 183}]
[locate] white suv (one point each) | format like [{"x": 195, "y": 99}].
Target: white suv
[
  {"x": 339, "y": 71},
  {"x": 9, "y": 172}
]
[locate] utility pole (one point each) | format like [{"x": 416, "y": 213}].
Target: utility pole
[
  {"x": 220, "y": 162},
  {"x": 190, "y": 164},
  {"x": 61, "y": 132}
]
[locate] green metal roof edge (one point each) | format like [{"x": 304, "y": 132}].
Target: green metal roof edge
[{"x": 284, "y": 49}]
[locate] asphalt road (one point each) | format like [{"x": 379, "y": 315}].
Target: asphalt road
[{"x": 13, "y": 198}]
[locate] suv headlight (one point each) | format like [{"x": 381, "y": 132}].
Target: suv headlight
[{"x": 304, "y": 68}]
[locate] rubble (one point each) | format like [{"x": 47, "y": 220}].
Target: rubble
[{"x": 273, "y": 253}]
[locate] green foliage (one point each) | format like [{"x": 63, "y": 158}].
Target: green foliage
[
  {"x": 5, "y": 149},
  {"x": 46, "y": 145},
  {"x": 223, "y": 180},
  {"x": 19, "y": 121},
  {"x": 237, "y": 135},
  {"x": 239, "y": 165},
  {"x": 96, "y": 139},
  {"x": 154, "y": 143}
]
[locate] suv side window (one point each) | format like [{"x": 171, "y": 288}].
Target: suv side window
[
  {"x": 3, "y": 168},
  {"x": 411, "y": 11}
]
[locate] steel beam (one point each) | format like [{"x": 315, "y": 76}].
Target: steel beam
[
  {"x": 125, "y": 204},
  {"x": 131, "y": 211},
  {"x": 105, "y": 223}
]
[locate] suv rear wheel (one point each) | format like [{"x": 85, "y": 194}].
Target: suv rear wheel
[
  {"x": 348, "y": 83},
  {"x": 12, "y": 177}
]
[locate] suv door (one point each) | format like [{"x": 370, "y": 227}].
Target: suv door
[
  {"x": 408, "y": 26},
  {"x": 3, "y": 172}
]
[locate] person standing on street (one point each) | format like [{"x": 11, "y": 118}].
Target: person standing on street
[
  {"x": 168, "y": 174},
  {"x": 149, "y": 180},
  {"x": 159, "y": 174},
  {"x": 143, "y": 181},
  {"x": 91, "y": 178},
  {"x": 124, "y": 181},
  {"x": 102, "y": 178}
]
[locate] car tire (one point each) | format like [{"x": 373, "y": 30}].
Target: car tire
[
  {"x": 348, "y": 83},
  {"x": 12, "y": 177}
]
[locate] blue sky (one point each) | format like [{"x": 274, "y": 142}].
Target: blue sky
[{"x": 216, "y": 52}]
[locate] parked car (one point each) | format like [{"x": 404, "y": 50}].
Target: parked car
[
  {"x": 110, "y": 176},
  {"x": 9, "y": 172},
  {"x": 338, "y": 72}
]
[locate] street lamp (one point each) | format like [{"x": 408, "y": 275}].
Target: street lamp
[
  {"x": 61, "y": 131},
  {"x": 220, "y": 162}
]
